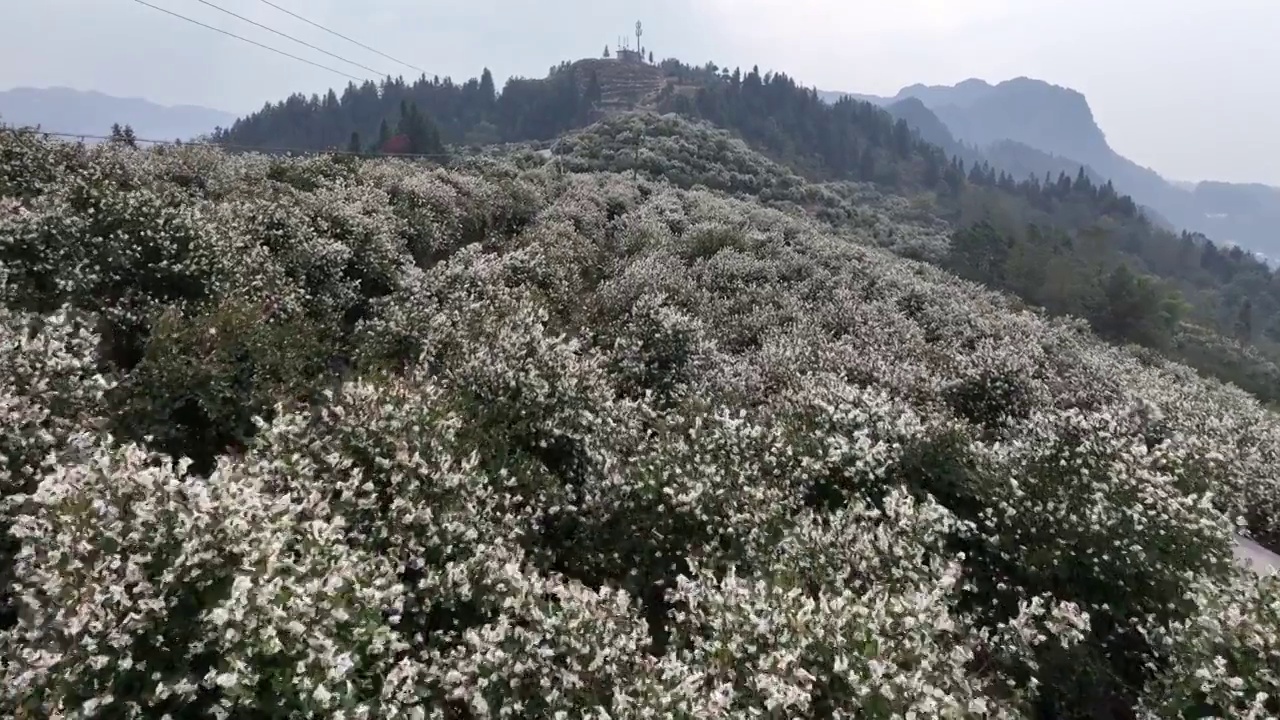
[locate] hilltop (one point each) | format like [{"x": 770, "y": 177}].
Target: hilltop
[
  {"x": 531, "y": 436},
  {"x": 623, "y": 85}
]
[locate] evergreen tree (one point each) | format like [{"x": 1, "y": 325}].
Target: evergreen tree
[
  {"x": 420, "y": 132},
  {"x": 353, "y": 145},
  {"x": 1244, "y": 322},
  {"x": 384, "y": 135},
  {"x": 488, "y": 91},
  {"x": 593, "y": 94},
  {"x": 980, "y": 252},
  {"x": 606, "y": 51},
  {"x": 123, "y": 135}
]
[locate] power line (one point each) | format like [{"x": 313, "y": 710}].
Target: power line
[
  {"x": 344, "y": 37},
  {"x": 219, "y": 8},
  {"x": 245, "y": 39},
  {"x": 198, "y": 143}
]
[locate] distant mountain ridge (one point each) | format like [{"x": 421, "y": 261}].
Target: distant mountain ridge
[
  {"x": 1042, "y": 118},
  {"x": 61, "y": 109}
]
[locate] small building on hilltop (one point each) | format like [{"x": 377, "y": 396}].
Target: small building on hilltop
[
  {"x": 624, "y": 52},
  {"x": 634, "y": 57}
]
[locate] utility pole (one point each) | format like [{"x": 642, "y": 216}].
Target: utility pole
[{"x": 639, "y": 32}]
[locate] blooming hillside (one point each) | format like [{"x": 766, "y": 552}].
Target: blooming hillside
[
  {"x": 337, "y": 438},
  {"x": 692, "y": 153},
  {"x": 1132, "y": 283}
]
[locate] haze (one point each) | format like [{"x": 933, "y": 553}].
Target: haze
[{"x": 1183, "y": 87}]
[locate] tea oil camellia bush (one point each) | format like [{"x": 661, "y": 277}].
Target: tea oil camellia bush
[{"x": 291, "y": 438}]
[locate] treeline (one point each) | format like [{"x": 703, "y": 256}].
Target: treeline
[
  {"x": 850, "y": 139},
  {"x": 470, "y": 113},
  {"x": 1050, "y": 269},
  {"x": 1088, "y": 253}
]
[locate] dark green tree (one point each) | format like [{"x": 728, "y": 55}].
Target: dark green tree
[
  {"x": 980, "y": 252},
  {"x": 384, "y": 134},
  {"x": 1244, "y": 322},
  {"x": 123, "y": 135},
  {"x": 1134, "y": 308},
  {"x": 593, "y": 94},
  {"x": 420, "y": 132},
  {"x": 488, "y": 91}
]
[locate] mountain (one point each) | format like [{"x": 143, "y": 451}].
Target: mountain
[
  {"x": 834, "y": 96},
  {"x": 925, "y": 122},
  {"x": 60, "y": 109},
  {"x": 1058, "y": 121},
  {"x": 930, "y": 95}
]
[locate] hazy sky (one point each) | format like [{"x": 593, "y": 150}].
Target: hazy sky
[{"x": 1184, "y": 86}]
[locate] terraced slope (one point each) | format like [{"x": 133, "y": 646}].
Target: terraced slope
[{"x": 624, "y": 86}]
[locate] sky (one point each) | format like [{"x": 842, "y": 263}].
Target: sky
[{"x": 1183, "y": 86}]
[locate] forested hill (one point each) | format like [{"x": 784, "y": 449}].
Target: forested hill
[
  {"x": 469, "y": 113},
  {"x": 1069, "y": 244}
]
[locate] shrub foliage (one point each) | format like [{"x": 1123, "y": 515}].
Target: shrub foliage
[{"x": 314, "y": 437}]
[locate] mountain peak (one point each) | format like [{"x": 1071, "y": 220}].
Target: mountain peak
[{"x": 1033, "y": 112}]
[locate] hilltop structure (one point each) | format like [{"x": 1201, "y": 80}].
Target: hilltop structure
[
  {"x": 630, "y": 56},
  {"x": 625, "y": 54}
]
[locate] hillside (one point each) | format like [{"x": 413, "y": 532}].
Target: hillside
[
  {"x": 92, "y": 113},
  {"x": 930, "y": 128},
  {"x": 1066, "y": 243},
  {"x": 508, "y": 440}
]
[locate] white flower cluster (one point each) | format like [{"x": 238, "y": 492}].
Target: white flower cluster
[{"x": 599, "y": 448}]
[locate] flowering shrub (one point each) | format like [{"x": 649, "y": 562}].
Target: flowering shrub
[
  {"x": 693, "y": 153},
  {"x": 324, "y": 438}
]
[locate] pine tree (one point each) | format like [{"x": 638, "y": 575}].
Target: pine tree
[
  {"x": 384, "y": 135},
  {"x": 1244, "y": 322},
  {"x": 123, "y": 135},
  {"x": 353, "y": 145},
  {"x": 606, "y": 51},
  {"x": 419, "y": 130},
  {"x": 593, "y": 93},
  {"x": 488, "y": 91}
]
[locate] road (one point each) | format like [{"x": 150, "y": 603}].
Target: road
[{"x": 1251, "y": 554}]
